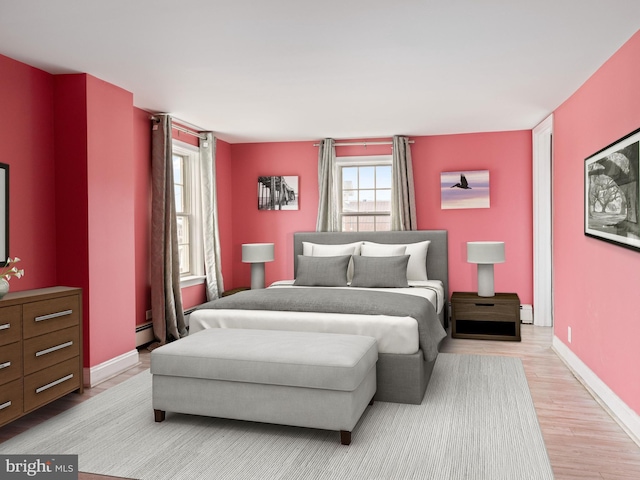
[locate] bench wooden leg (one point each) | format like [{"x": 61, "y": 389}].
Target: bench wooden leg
[
  {"x": 159, "y": 415},
  {"x": 345, "y": 437}
]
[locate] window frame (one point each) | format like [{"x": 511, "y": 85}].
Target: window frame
[
  {"x": 361, "y": 161},
  {"x": 192, "y": 202}
]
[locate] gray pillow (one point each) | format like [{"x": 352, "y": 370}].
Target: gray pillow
[
  {"x": 380, "y": 272},
  {"x": 322, "y": 271}
]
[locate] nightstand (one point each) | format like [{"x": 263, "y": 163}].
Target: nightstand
[{"x": 485, "y": 318}]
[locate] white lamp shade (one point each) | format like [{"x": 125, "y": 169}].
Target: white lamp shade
[
  {"x": 257, "y": 252},
  {"x": 485, "y": 252}
]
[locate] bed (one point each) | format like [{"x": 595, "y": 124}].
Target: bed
[{"x": 408, "y": 320}]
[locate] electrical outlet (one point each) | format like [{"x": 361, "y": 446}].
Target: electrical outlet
[{"x": 569, "y": 334}]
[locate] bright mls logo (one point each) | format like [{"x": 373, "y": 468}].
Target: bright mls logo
[{"x": 58, "y": 467}]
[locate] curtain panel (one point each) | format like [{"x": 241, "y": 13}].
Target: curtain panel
[
  {"x": 328, "y": 219},
  {"x": 403, "y": 199},
  {"x": 166, "y": 297},
  {"x": 210, "y": 231}
]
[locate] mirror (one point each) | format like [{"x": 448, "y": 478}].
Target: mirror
[{"x": 4, "y": 213}]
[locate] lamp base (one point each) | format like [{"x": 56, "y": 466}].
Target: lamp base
[
  {"x": 485, "y": 280},
  {"x": 257, "y": 275}
]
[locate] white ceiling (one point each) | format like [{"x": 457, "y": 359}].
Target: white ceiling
[{"x": 283, "y": 70}]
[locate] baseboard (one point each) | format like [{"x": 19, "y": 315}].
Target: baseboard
[
  {"x": 92, "y": 376},
  {"x": 614, "y": 405}
]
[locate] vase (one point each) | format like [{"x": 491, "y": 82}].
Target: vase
[{"x": 4, "y": 287}]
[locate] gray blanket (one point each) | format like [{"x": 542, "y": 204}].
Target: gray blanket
[{"x": 328, "y": 300}]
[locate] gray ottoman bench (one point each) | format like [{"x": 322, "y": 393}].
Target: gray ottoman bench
[{"x": 303, "y": 379}]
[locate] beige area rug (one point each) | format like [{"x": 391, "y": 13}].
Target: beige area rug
[{"x": 477, "y": 421}]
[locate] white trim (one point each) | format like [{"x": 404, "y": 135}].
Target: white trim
[
  {"x": 614, "y": 405},
  {"x": 92, "y": 376},
  {"x": 192, "y": 280},
  {"x": 542, "y": 223}
]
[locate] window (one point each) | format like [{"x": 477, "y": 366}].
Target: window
[
  {"x": 365, "y": 190},
  {"x": 186, "y": 159}
]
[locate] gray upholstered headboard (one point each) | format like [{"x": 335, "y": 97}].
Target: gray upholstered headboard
[{"x": 437, "y": 255}]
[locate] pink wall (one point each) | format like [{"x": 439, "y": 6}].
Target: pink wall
[
  {"x": 110, "y": 178},
  {"x": 27, "y": 139},
  {"x": 142, "y": 209},
  {"x": 249, "y": 161},
  {"x": 596, "y": 283},
  {"x": 95, "y": 214},
  {"x": 226, "y": 200},
  {"x": 507, "y": 155},
  {"x": 72, "y": 219}
]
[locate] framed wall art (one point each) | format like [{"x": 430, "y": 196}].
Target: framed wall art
[
  {"x": 468, "y": 189},
  {"x": 611, "y": 192},
  {"x": 4, "y": 213},
  {"x": 278, "y": 193}
]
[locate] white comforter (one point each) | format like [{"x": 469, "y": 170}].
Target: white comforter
[{"x": 394, "y": 334}]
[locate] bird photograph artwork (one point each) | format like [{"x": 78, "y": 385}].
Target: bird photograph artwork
[
  {"x": 462, "y": 183},
  {"x": 468, "y": 189}
]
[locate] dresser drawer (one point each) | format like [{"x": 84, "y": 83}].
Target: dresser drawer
[
  {"x": 10, "y": 401},
  {"x": 10, "y": 324},
  {"x": 45, "y": 350},
  {"x": 495, "y": 312},
  {"x": 49, "y": 315},
  {"x": 10, "y": 363},
  {"x": 53, "y": 382}
]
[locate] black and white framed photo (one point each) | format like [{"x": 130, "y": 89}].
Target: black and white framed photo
[
  {"x": 278, "y": 193},
  {"x": 4, "y": 213},
  {"x": 611, "y": 192}
]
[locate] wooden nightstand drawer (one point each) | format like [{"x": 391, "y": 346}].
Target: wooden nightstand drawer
[
  {"x": 485, "y": 311},
  {"x": 50, "y": 315},
  {"x": 51, "y": 383},
  {"x": 10, "y": 401},
  {"x": 46, "y": 350},
  {"x": 10, "y": 324},
  {"x": 10, "y": 363}
]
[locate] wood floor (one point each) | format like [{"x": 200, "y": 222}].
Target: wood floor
[{"x": 583, "y": 441}]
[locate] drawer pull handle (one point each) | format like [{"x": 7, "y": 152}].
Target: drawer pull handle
[
  {"x": 53, "y": 384},
  {"x": 53, "y": 349},
  {"x": 5, "y": 326},
  {"x": 5, "y": 365},
  {"x": 5, "y": 405},
  {"x": 485, "y": 304},
  {"x": 53, "y": 315}
]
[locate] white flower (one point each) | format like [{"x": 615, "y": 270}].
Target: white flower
[{"x": 9, "y": 269}]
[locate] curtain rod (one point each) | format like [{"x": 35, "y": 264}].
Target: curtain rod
[
  {"x": 350, "y": 144},
  {"x": 180, "y": 128}
]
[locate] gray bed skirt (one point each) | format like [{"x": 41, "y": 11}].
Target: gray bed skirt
[{"x": 402, "y": 378}]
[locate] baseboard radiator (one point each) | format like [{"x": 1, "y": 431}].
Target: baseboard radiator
[{"x": 144, "y": 331}]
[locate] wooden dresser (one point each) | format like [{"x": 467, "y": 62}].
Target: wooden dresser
[{"x": 40, "y": 348}]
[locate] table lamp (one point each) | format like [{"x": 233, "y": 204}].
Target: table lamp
[
  {"x": 485, "y": 254},
  {"x": 256, "y": 254}
]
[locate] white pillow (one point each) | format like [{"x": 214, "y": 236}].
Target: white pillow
[
  {"x": 377, "y": 250},
  {"x": 417, "y": 267},
  {"x": 323, "y": 250}
]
